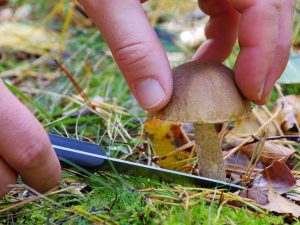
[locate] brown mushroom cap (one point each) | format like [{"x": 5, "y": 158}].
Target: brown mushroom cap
[{"x": 204, "y": 92}]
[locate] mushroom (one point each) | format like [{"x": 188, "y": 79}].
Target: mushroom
[{"x": 205, "y": 94}]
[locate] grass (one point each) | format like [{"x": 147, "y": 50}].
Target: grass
[
  {"x": 123, "y": 203},
  {"x": 117, "y": 125}
]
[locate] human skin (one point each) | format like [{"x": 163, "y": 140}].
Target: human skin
[{"x": 263, "y": 30}]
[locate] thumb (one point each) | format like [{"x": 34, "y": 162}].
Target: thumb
[{"x": 135, "y": 48}]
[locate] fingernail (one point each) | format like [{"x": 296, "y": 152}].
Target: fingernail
[
  {"x": 261, "y": 91},
  {"x": 149, "y": 92}
]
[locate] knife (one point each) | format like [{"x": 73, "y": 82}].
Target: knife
[{"x": 92, "y": 156}]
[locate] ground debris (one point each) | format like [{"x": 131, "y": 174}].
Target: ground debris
[{"x": 279, "y": 204}]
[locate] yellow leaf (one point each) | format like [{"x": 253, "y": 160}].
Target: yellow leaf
[
  {"x": 27, "y": 38},
  {"x": 165, "y": 139}
]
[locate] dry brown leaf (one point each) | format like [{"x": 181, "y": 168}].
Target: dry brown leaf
[
  {"x": 289, "y": 118},
  {"x": 270, "y": 152},
  {"x": 258, "y": 194},
  {"x": 279, "y": 177},
  {"x": 237, "y": 164},
  {"x": 278, "y": 204},
  {"x": 241, "y": 159}
]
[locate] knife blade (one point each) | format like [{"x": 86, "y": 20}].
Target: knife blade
[{"x": 92, "y": 156}]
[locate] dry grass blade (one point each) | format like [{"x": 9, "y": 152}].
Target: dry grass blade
[
  {"x": 254, "y": 160},
  {"x": 186, "y": 197},
  {"x": 257, "y": 133},
  {"x": 32, "y": 199}
]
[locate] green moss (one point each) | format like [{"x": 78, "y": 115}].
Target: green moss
[{"x": 122, "y": 203}]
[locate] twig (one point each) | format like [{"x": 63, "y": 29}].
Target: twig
[
  {"x": 294, "y": 138},
  {"x": 76, "y": 85}
]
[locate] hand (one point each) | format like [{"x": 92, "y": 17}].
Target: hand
[
  {"x": 24, "y": 147},
  {"x": 263, "y": 29}
]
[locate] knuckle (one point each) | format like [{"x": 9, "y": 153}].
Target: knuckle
[{"x": 133, "y": 55}]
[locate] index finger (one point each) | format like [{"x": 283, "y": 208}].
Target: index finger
[{"x": 136, "y": 49}]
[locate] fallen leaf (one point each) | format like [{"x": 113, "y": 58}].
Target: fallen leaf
[
  {"x": 278, "y": 176},
  {"x": 251, "y": 123},
  {"x": 289, "y": 118},
  {"x": 237, "y": 164},
  {"x": 28, "y": 38},
  {"x": 258, "y": 194},
  {"x": 295, "y": 196},
  {"x": 270, "y": 152},
  {"x": 241, "y": 159},
  {"x": 278, "y": 204},
  {"x": 294, "y": 193},
  {"x": 165, "y": 138}
]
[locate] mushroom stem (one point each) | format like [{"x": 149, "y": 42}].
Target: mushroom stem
[{"x": 210, "y": 156}]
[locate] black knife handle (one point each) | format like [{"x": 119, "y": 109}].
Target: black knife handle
[{"x": 78, "y": 152}]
